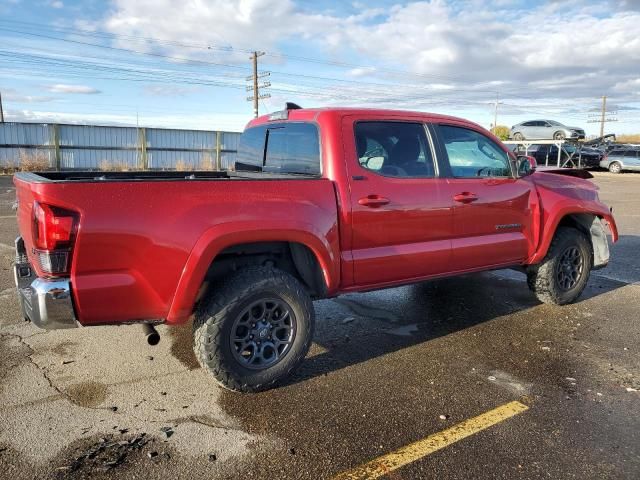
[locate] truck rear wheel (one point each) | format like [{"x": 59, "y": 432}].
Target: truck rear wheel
[
  {"x": 564, "y": 272},
  {"x": 255, "y": 329}
]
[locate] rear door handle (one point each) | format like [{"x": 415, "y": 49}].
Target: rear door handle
[
  {"x": 373, "y": 201},
  {"x": 465, "y": 197}
]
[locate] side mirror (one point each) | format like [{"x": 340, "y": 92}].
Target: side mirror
[{"x": 526, "y": 165}]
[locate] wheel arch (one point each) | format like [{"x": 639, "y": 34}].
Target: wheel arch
[
  {"x": 299, "y": 250},
  {"x": 588, "y": 222}
]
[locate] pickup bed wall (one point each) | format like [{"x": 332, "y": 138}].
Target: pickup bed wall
[{"x": 138, "y": 241}]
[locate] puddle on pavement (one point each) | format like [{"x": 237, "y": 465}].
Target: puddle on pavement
[
  {"x": 87, "y": 394},
  {"x": 182, "y": 345},
  {"x": 64, "y": 349}
]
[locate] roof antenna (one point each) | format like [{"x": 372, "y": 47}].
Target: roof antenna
[{"x": 292, "y": 106}]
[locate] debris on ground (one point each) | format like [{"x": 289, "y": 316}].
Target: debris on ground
[
  {"x": 444, "y": 417},
  {"x": 348, "y": 320},
  {"x": 105, "y": 455},
  {"x": 212, "y": 457},
  {"x": 631, "y": 389},
  {"x": 168, "y": 431}
]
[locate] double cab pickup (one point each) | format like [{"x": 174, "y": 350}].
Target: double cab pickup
[{"x": 320, "y": 202}]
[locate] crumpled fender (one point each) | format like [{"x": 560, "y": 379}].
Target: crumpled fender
[{"x": 551, "y": 220}]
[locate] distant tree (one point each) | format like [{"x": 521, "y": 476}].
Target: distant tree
[{"x": 501, "y": 131}]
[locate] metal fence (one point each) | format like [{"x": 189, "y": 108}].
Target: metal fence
[{"x": 90, "y": 147}]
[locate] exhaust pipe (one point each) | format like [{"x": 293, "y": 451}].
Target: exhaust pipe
[{"x": 151, "y": 334}]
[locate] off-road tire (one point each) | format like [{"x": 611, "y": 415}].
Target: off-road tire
[
  {"x": 214, "y": 320},
  {"x": 542, "y": 278},
  {"x": 615, "y": 167}
]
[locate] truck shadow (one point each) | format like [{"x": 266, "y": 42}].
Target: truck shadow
[{"x": 356, "y": 328}]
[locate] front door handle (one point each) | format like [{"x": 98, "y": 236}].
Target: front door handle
[
  {"x": 465, "y": 197},
  {"x": 373, "y": 201}
]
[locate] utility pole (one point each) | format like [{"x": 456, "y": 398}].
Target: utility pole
[
  {"x": 603, "y": 117},
  {"x": 255, "y": 86},
  {"x": 603, "y": 114},
  {"x": 1, "y": 111},
  {"x": 495, "y": 112}
]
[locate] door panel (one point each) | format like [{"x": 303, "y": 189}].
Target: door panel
[
  {"x": 401, "y": 214},
  {"x": 492, "y": 210},
  {"x": 496, "y": 227}
]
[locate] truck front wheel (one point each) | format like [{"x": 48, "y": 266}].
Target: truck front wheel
[
  {"x": 563, "y": 274},
  {"x": 254, "y": 330}
]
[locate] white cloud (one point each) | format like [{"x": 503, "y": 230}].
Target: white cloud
[
  {"x": 169, "y": 90},
  {"x": 62, "y": 88},
  {"x": 208, "y": 121},
  {"x": 56, "y": 4},
  {"x": 499, "y": 43},
  {"x": 12, "y": 95}
]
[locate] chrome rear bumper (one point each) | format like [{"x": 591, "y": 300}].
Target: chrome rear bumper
[{"x": 46, "y": 302}]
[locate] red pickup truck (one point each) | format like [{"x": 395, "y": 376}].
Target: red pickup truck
[{"x": 321, "y": 202}]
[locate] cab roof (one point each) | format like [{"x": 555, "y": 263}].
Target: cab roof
[{"x": 311, "y": 114}]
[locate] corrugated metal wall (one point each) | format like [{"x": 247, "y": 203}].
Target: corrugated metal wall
[{"x": 88, "y": 147}]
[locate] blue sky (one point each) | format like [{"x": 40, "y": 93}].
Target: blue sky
[{"x": 183, "y": 64}]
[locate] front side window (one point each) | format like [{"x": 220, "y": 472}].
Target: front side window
[
  {"x": 394, "y": 149},
  {"x": 472, "y": 155}
]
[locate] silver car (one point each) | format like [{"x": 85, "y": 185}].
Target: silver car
[
  {"x": 544, "y": 130},
  {"x": 624, "y": 159}
]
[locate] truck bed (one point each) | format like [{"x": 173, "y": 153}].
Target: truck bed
[{"x": 142, "y": 235}]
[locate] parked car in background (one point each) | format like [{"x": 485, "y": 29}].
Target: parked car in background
[
  {"x": 622, "y": 159},
  {"x": 619, "y": 146},
  {"x": 548, "y": 154},
  {"x": 544, "y": 130}
]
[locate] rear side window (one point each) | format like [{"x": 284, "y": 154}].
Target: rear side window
[
  {"x": 630, "y": 153},
  {"x": 280, "y": 148},
  {"x": 394, "y": 149}
]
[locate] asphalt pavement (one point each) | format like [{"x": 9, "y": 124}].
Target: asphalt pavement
[{"x": 405, "y": 375}]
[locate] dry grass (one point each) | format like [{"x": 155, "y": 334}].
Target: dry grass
[
  {"x": 27, "y": 162},
  {"x": 107, "y": 166},
  {"x": 182, "y": 166},
  {"x": 207, "y": 161},
  {"x": 628, "y": 138}
]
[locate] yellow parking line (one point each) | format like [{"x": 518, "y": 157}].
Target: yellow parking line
[{"x": 414, "y": 451}]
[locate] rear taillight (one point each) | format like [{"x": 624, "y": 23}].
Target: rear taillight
[{"x": 54, "y": 231}]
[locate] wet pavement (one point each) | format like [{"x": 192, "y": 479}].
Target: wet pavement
[{"x": 387, "y": 369}]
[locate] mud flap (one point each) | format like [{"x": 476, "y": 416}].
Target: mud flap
[{"x": 599, "y": 243}]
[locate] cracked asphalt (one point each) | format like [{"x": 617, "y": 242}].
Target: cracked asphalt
[{"x": 385, "y": 367}]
